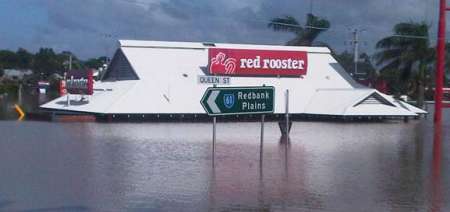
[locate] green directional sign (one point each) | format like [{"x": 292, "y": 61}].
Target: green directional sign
[{"x": 238, "y": 100}]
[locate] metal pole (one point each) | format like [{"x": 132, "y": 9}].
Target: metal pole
[
  {"x": 214, "y": 135},
  {"x": 70, "y": 61},
  {"x": 287, "y": 115},
  {"x": 68, "y": 99},
  {"x": 214, "y": 138},
  {"x": 261, "y": 144},
  {"x": 19, "y": 96},
  {"x": 68, "y": 93},
  {"x": 355, "y": 50},
  {"x": 440, "y": 63}
]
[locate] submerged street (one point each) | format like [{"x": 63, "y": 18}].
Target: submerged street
[{"x": 390, "y": 166}]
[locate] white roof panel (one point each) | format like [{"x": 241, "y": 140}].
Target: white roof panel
[{"x": 196, "y": 45}]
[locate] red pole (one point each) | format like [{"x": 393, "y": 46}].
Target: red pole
[{"x": 440, "y": 63}]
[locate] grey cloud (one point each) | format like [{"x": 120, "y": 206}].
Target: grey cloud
[{"x": 85, "y": 25}]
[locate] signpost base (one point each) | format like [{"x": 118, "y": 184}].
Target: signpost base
[{"x": 283, "y": 130}]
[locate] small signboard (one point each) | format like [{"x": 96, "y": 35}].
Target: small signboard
[
  {"x": 238, "y": 100},
  {"x": 213, "y": 80},
  {"x": 79, "y": 82}
]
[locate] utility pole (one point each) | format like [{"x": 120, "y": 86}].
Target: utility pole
[
  {"x": 355, "y": 43},
  {"x": 70, "y": 61}
]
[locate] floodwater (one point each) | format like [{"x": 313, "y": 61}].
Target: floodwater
[{"x": 391, "y": 166}]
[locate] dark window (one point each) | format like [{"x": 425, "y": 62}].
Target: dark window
[
  {"x": 209, "y": 44},
  {"x": 374, "y": 99},
  {"x": 120, "y": 69}
]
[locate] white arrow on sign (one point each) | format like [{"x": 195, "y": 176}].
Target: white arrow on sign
[{"x": 212, "y": 101}]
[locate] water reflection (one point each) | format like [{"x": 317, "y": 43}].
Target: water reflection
[
  {"x": 167, "y": 167},
  {"x": 30, "y": 101},
  {"x": 436, "y": 184}
]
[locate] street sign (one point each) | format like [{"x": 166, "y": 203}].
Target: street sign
[
  {"x": 211, "y": 80},
  {"x": 238, "y": 100}
]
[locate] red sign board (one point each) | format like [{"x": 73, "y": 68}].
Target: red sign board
[
  {"x": 79, "y": 82},
  {"x": 257, "y": 62}
]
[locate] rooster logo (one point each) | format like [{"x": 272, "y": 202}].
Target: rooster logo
[{"x": 223, "y": 64}]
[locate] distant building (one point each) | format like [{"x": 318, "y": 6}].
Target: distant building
[{"x": 16, "y": 74}]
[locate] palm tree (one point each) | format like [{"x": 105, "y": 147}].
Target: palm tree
[
  {"x": 408, "y": 52},
  {"x": 306, "y": 35}
]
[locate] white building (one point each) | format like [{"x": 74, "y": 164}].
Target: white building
[
  {"x": 16, "y": 74},
  {"x": 148, "y": 78}
]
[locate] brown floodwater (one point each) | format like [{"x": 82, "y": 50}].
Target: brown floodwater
[{"x": 389, "y": 166}]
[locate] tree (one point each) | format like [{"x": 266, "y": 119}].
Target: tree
[
  {"x": 366, "y": 69},
  {"x": 24, "y": 59},
  {"x": 46, "y": 62},
  {"x": 64, "y": 59},
  {"x": 8, "y": 59},
  {"x": 304, "y": 36},
  {"x": 95, "y": 63},
  {"x": 408, "y": 52}
]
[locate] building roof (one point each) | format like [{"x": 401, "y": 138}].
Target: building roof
[
  {"x": 167, "y": 74},
  {"x": 206, "y": 45},
  {"x": 18, "y": 73},
  {"x": 353, "y": 102}
]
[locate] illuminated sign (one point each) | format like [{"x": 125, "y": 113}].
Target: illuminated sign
[{"x": 246, "y": 62}]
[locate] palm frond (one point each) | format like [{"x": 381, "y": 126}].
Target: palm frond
[
  {"x": 286, "y": 24},
  {"x": 387, "y": 55}
]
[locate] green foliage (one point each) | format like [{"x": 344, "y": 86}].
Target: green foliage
[
  {"x": 305, "y": 35},
  {"x": 408, "y": 57},
  {"x": 95, "y": 63},
  {"x": 46, "y": 62},
  {"x": 8, "y": 59},
  {"x": 64, "y": 59},
  {"x": 9, "y": 87},
  {"x": 405, "y": 54},
  {"x": 366, "y": 69},
  {"x": 24, "y": 59}
]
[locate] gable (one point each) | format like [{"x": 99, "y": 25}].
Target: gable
[
  {"x": 374, "y": 99},
  {"x": 120, "y": 69}
]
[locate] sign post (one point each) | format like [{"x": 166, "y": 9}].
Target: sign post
[
  {"x": 261, "y": 143},
  {"x": 214, "y": 136},
  {"x": 221, "y": 101},
  {"x": 287, "y": 116}
]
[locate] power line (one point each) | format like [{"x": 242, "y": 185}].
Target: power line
[
  {"x": 295, "y": 25},
  {"x": 136, "y": 2},
  {"x": 286, "y": 24},
  {"x": 411, "y": 36}
]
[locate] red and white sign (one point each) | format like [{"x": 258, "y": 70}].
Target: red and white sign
[
  {"x": 257, "y": 62},
  {"x": 62, "y": 88}
]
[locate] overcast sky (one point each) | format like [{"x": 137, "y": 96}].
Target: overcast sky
[{"x": 90, "y": 28}]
